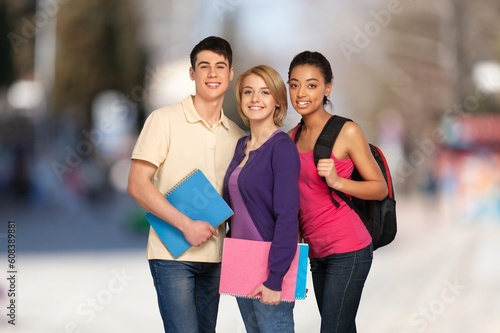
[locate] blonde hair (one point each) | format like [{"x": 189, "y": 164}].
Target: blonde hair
[{"x": 276, "y": 86}]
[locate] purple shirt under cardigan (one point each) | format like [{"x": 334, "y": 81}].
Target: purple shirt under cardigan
[
  {"x": 268, "y": 184},
  {"x": 242, "y": 226}
]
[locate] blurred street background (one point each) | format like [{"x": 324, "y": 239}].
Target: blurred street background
[{"x": 78, "y": 78}]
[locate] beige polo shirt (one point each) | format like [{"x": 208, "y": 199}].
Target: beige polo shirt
[{"x": 177, "y": 140}]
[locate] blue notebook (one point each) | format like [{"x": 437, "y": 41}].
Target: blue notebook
[
  {"x": 195, "y": 197},
  {"x": 300, "y": 289},
  {"x": 244, "y": 267}
]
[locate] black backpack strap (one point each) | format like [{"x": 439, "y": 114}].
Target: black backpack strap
[{"x": 324, "y": 145}]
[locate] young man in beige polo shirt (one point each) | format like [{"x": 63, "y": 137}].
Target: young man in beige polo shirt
[{"x": 176, "y": 139}]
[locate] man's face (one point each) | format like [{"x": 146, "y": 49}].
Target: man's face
[{"x": 211, "y": 74}]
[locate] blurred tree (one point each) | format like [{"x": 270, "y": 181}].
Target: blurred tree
[
  {"x": 17, "y": 32},
  {"x": 6, "y": 70},
  {"x": 429, "y": 51},
  {"x": 97, "y": 50},
  {"x": 477, "y": 26},
  {"x": 432, "y": 48}
]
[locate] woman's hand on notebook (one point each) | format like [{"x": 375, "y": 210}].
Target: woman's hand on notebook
[{"x": 268, "y": 296}]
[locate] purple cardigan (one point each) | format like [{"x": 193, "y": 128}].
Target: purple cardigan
[{"x": 269, "y": 187}]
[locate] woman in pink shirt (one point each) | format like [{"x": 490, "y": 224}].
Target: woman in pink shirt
[{"x": 340, "y": 245}]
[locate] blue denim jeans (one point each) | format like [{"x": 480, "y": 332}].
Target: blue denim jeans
[
  {"x": 188, "y": 294},
  {"x": 338, "y": 283},
  {"x": 264, "y": 318}
]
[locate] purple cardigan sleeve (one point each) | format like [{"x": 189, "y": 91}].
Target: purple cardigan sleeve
[{"x": 285, "y": 165}]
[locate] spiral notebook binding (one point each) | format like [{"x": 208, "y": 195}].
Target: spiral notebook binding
[
  {"x": 186, "y": 177},
  {"x": 258, "y": 297}
]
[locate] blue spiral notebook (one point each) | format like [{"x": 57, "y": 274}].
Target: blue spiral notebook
[
  {"x": 195, "y": 197},
  {"x": 244, "y": 267}
]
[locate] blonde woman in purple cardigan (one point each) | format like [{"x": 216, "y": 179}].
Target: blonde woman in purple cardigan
[{"x": 261, "y": 185}]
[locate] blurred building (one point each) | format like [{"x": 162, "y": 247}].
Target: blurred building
[{"x": 467, "y": 167}]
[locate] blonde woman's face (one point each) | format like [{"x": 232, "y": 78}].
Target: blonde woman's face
[{"x": 257, "y": 103}]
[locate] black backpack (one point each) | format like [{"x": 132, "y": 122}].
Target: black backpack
[{"x": 379, "y": 216}]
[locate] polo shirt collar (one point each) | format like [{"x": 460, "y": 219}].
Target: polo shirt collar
[{"x": 192, "y": 115}]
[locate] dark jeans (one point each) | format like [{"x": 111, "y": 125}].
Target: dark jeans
[
  {"x": 338, "y": 283},
  {"x": 263, "y": 318},
  {"x": 188, "y": 295}
]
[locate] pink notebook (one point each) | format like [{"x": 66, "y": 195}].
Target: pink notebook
[{"x": 244, "y": 267}]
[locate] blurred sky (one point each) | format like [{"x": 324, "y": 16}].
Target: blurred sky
[{"x": 74, "y": 233}]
